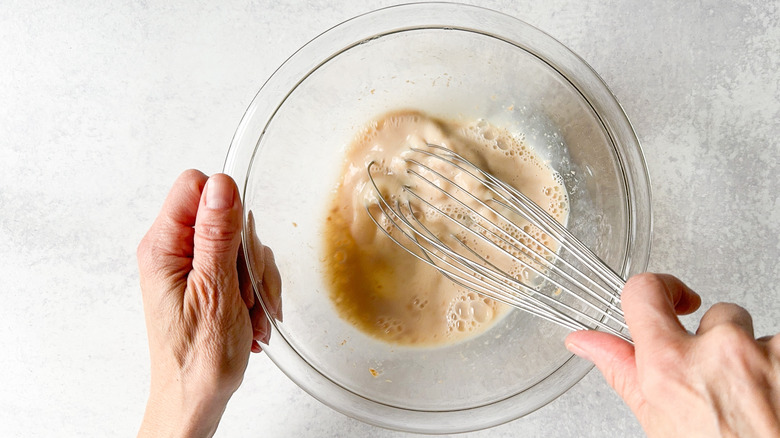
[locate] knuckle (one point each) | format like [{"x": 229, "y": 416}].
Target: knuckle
[
  {"x": 216, "y": 235},
  {"x": 639, "y": 283},
  {"x": 728, "y": 315},
  {"x": 269, "y": 253},
  {"x": 773, "y": 351},
  {"x": 727, "y": 337},
  {"x": 191, "y": 175},
  {"x": 148, "y": 253},
  {"x": 142, "y": 249},
  {"x": 729, "y": 347},
  {"x": 728, "y": 308},
  {"x": 774, "y": 344},
  {"x": 151, "y": 254},
  {"x": 210, "y": 278}
]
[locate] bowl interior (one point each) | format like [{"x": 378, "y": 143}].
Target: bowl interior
[{"x": 292, "y": 141}]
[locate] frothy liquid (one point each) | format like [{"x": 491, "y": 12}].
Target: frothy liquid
[{"x": 376, "y": 285}]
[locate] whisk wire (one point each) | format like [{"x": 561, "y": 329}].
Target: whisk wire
[
  {"x": 506, "y": 280},
  {"x": 513, "y": 242},
  {"x": 519, "y": 203},
  {"x": 490, "y": 286},
  {"x": 488, "y": 282},
  {"x": 469, "y": 269}
]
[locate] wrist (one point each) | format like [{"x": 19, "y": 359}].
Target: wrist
[{"x": 173, "y": 410}]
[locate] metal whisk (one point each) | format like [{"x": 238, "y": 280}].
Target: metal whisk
[{"x": 561, "y": 281}]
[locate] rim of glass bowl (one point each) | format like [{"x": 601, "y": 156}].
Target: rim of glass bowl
[{"x": 570, "y": 66}]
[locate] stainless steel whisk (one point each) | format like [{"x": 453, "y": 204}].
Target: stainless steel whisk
[{"x": 568, "y": 285}]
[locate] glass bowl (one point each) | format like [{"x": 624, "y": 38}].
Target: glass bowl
[{"x": 451, "y": 61}]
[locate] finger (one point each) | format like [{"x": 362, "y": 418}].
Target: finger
[
  {"x": 264, "y": 269},
  {"x": 166, "y": 249},
  {"x": 181, "y": 206},
  {"x": 261, "y": 330},
  {"x": 726, "y": 313},
  {"x": 244, "y": 280},
  {"x": 688, "y": 301},
  {"x": 218, "y": 235},
  {"x": 261, "y": 327},
  {"x": 255, "y": 250},
  {"x": 256, "y": 347},
  {"x": 615, "y": 359},
  {"x": 259, "y": 320},
  {"x": 651, "y": 302},
  {"x": 272, "y": 285}
]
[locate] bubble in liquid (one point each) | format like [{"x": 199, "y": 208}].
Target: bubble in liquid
[
  {"x": 390, "y": 326},
  {"x": 419, "y": 303},
  {"x": 462, "y": 310},
  {"x": 481, "y": 311}
]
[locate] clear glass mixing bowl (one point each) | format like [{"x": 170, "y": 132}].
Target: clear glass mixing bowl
[{"x": 451, "y": 61}]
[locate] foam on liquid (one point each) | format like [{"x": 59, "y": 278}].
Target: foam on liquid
[{"x": 376, "y": 285}]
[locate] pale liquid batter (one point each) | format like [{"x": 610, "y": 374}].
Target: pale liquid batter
[{"x": 376, "y": 285}]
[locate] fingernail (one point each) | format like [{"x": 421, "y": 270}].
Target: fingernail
[
  {"x": 256, "y": 347},
  {"x": 575, "y": 349},
  {"x": 266, "y": 336},
  {"x": 219, "y": 194},
  {"x": 262, "y": 334}
]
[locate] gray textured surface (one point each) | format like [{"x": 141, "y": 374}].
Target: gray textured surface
[{"x": 102, "y": 105}]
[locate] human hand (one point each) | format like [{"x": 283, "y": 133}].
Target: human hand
[
  {"x": 202, "y": 317},
  {"x": 720, "y": 382}
]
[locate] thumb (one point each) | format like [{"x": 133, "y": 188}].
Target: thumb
[
  {"x": 615, "y": 359},
  {"x": 217, "y": 233}
]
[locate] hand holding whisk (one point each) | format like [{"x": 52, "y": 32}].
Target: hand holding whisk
[{"x": 487, "y": 237}]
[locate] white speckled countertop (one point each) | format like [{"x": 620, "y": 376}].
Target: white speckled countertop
[{"x": 103, "y": 104}]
